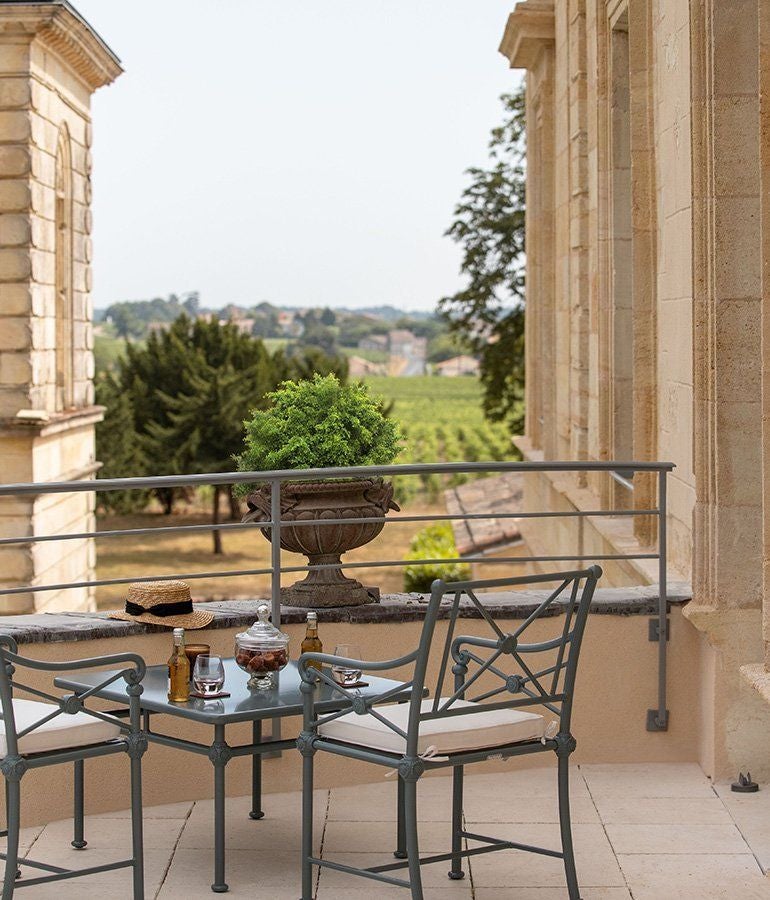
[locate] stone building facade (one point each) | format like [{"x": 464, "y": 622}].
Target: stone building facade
[
  {"x": 648, "y": 299},
  {"x": 51, "y": 62}
]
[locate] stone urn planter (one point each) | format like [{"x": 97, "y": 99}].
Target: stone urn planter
[{"x": 307, "y": 502}]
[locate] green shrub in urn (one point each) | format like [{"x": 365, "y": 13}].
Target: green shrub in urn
[{"x": 317, "y": 424}]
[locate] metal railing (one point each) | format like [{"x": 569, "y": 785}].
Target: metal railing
[{"x": 657, "y": 719}]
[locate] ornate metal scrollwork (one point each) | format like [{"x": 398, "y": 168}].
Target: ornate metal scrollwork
[
  {"x": 565, "y": 744},
  {"x": 411, "y": 768},
  {"x": 306, "y": 743},
  {"x": 136, "y": 744},
  {"x": 220, "y": 753},
  {"x": 13, "y": 767}
]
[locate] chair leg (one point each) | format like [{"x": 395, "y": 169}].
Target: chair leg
[
  {"x": 307, "y": 824},
  {"x": 400, "y": 851},
  {"x": 412, "y": 842},
  {"x": 13, "y": 813},
  {"x": 137, "y": 835},
  {"x": 565, "y": 826},
  {"x": 78, "y": 841},
  {"x": 456, "y": 872}
]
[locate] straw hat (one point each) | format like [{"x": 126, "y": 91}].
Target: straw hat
[{"x": 162, "y": 603}]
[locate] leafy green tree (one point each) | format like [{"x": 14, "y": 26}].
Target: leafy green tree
[
  {"x": 177, "y": 403},
  {"x": 119, "y": 446},
  {"x": 489, "y": 226}
]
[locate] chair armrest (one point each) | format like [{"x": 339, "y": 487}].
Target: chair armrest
[
  {"x": 308, "y": 674},
  {"x": 135, "y": 664}
]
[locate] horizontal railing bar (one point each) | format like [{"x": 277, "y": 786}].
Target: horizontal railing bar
[
  {"x": 374, "y": 564},
  {"x": 289, "y": 475},
  {"x": 389, "y": 520}
]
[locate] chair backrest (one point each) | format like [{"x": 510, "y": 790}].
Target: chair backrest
[
  {"x": 132, "y": 670},
  {"x": 504, "y": 670}
]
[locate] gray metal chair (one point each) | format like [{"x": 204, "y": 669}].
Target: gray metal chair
[
  {"x": 490, "y": 713},
  {"x": 62, "y": 730}
]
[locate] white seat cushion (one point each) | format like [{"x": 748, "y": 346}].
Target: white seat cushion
[
  {"x": 61, "y": 732},
  {"x": 451, "y": 734}
]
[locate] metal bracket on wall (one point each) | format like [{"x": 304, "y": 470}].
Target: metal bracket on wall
[
  {"x": 653, "y": 720},
  {"x": 654, "y": 630}
]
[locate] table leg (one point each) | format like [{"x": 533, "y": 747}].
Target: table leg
[
  {"x": 256, "y": 773},
  {"x": 219, "y": 754},
  {"x": 78, "y": 840}
]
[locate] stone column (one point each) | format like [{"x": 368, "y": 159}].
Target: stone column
[
  {"x": 727, "y": 272},
  {"x": 528, "y": 43},
  {"x": 51, "y": 62}
]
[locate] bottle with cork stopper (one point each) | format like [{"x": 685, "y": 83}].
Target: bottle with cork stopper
[
  {"x": 178, "y": 670},
  {"x": 312, "y": 643}
]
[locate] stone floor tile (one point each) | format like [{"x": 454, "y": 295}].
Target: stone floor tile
[
  {"x": 376, "y": 891},
  {"x": 676, "y": 838},
  {"x": 433, "y": 876},
  {"x": 751, "y": 813},
  {"x": 165, "y": 811},
  {"x": 632, "y": 780},
  {"x": 663, "y": 811},
  {"x": 595, "y": 861},
  {"x": 377, "y": 802},
  {"x": 280, "y": 829},
  {"x": 694, "y": 877},
  {"x": 246, "y": 871},
  {"x": 104, "y": 884},
  {"x": 537, "y": 810},
  {"x": 524, "y": 783},
  {"x": 109, "y": 834},
  {"x": 545, "y": 893},
  {"x": 371, "y": 837}
]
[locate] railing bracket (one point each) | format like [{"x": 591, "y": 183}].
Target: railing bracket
[
  {"x": 653, "y": 720},
  {"x": 654, "y": 630}
]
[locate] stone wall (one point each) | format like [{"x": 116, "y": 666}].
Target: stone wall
[
  {"x": 50, "y": 64},
  {"x": 648, "y": 224}
]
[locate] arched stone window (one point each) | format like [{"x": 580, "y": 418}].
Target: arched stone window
[{"x": 63, "y": 276}]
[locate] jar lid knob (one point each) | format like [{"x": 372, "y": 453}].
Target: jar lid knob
[{"x": 263, "y": 613}]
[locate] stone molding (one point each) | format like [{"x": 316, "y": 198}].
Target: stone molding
[
  {"x": 60, "y": 27},
  {"x": 530, "y": 27},
  {"x": 54, "y": 423},
  {"x": 49, "y": 628}
]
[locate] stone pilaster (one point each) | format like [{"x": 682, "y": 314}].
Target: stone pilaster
[{"x": 51, "y": 62}]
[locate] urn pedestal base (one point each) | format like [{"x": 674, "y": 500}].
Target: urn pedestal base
[{"x": 328, "y": 587}]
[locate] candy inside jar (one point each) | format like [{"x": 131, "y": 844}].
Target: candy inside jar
[{"x": 262, "y": 651}]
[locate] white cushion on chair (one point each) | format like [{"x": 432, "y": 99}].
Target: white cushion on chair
[
  {"x": 451, "y": 734},
  {"x": 66, "y": 730}
]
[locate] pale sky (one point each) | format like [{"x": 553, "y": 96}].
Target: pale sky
[{"x": 295, "y": 151}]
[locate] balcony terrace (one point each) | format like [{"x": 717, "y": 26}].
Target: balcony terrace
[{"x": 646, "y": 832}]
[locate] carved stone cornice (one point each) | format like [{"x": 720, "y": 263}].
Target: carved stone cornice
[
  {"x": 530, "y": 27},
  {"x": 64, "y": 31}
]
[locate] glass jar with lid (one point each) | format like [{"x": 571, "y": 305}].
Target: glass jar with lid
[{"x": 262, "y": 651}]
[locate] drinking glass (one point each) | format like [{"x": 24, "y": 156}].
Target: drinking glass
[
  {"x": 345, "y": 676},
  {"x": 208, "y": 675}
]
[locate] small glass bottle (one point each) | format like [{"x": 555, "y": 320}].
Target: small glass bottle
[
  {"x": 312, "y": 643},
  {"x": 178, "y": 670}
]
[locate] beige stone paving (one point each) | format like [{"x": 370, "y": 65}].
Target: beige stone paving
[{"x": 655, "y": 832}]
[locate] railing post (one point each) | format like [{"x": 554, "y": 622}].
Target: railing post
[
  {"x": 657, "y": 719},
  {"x": 275, "y": 577},
  {"x": 275, "y": 550}
]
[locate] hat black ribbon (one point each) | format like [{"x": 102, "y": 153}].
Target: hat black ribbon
[{"x": 160, "y": 609}]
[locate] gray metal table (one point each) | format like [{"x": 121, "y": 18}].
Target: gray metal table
[{"x": 243, "y": 705}]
